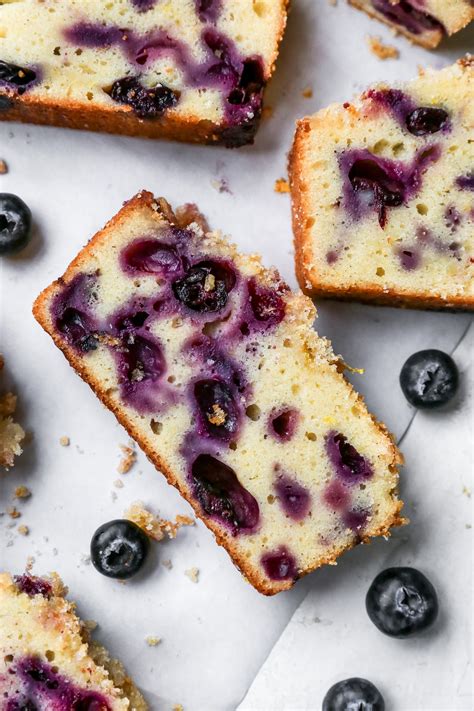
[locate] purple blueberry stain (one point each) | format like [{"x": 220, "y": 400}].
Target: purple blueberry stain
[
  {"x": 43, "y": 687},
  {"x": 222, "y": 496},
  {"x": 294, "y": 498},
  {"x": 151, "y": 256},
  {"x": 141, "y": 366},
  {"x": 143, "y": 5},
  {"x": 32, "y": 585},
  {"x": 452, "y": 218},
  {"x": 332, "y": 256},
  {"x": 355, "y": 519},
  {"x": 280, "y": 564},
  {"x": 374, "y": 184},
  {"x": 267, "y": 305},
  {"x": 283, "y": 424},
  {"x": 336, "y": 496},
  {"x": 466, "y": 182},
  {"x": 418, "y": 120},
  {"x": 409, "y": 258},
  {"x": 350, "y": 466},
  {"x": 72, "y": 313},
  {"x": 395, "y": 101},
  {"x": 406, "y": 15},
  {"x": 217, "y": 409},
  {"x": 208, "y": 10}
]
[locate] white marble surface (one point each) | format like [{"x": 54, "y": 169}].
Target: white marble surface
[{"x": 218, "y": 633}]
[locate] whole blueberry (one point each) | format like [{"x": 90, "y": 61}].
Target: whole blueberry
[
  {"x": 426, "y": 119},
  {"x": 429, "y": 379},
  {"x": 353, "y": 695},
  {"x": 119, "y": 549},
  {"x": 401, "y": 602},
  {"x": 15, "y": 223}
]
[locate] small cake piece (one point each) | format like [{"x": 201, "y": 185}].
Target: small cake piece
[
  {"x": 424, "y": 22},
  {"x": 193, "y": 70},
  {"x": 382, "y": 194},
  {"x": 11, "y": 434},
  {"x": 47, "y": 659},
  {"x": 212, "y": 365}
]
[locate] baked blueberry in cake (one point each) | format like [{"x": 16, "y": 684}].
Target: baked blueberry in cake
[
  {"x": 424, "y": 22},
  {"x": 47, "y": 659},
  {"x": 193, "y": 70},
  {"x": 382, "y": 193},
  {"x": 212, "y": 365}
]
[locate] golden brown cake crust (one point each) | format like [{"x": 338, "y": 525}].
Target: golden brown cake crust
[
  {"x": 304, "y": 268},
  {"x": 42, "y": 315},
  {"x": 123, "y": 121}
]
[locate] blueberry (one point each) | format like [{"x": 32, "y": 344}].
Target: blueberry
[
  {"x": 429, "y": 379},
  {"x": 425, "y": 120},
  {"x": 379, "y": 187},
  {"x": 205, "y": 286},
  {"x": 401, "y": 602},
  {"x": 353, "y": 695},
  {"x": 146, "y": 103},
  {"x": 19, "y": 77},
  {"x": 15, "y": 224},
  {"x": 218, "y": 410},
  {"x": 119, "y": 549}
]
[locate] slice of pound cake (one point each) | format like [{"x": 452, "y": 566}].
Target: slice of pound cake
[
  {"x": 47, "y": 660},
  {"x": 383, "y": 194},
  {"x": 211, "y": 364},
  {"x": 424, "y": 22},
  {"x": 192, "y": 70}
]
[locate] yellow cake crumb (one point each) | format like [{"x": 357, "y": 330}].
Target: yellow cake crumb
[
  {"x": 128, "y": 460},
  {"x": 178, "y": 707},
  {"x": 192, "y": 574},
  {"x": 13, "y": 512},
  {"x": 3, "y": 167},
  {"x": 282, "y": 185},
  {"x": 11, "y": 434},
  {"x": 307, "y": 93},
  {"x": 381, "y": 50},
  {"x": 154, "y": 526},
  {"x": 23, "y": 530},
  {"x": 64, "y": 441},
  {"x": 153, "y": 641},
  {"x": 22, "y": 492}
]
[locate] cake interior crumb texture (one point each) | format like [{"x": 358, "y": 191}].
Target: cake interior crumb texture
[
  {"x": 192, "y": 70},
  {"x": 47, "y": 659},
  {"x": 424, "y": 22},
  {"x": 383, "y": 194},
  {"x": 11, "y": 433},
  {"x": 212, "y": 365}
]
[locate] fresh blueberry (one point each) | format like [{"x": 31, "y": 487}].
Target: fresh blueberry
[
  {"x": 205, "y": 286},
  {"x": 14, "y": 75},
  {"x": 119, "y": 549},
  {"x": 425, "y": 120},
  {"x": 401, "y": 602},
  {"x": 15, "y": 224},
  {"x": 146, "y": 103},
  {"x": 429, "y": 379},
  {"x": 353, "y": 695},
  {"x": 219, "y": 413}
]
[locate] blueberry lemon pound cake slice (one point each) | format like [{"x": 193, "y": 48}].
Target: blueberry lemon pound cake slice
[
  {"x": 192, "y": 70},
  {"x": 211, "y": 364},
  {"x": 424, "y": 22},
  {"x": 383, "y": 194},
  {"x": 47, "y": 660}
]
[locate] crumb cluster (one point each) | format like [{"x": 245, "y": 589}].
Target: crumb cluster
[{"x": 11, "y": 434}]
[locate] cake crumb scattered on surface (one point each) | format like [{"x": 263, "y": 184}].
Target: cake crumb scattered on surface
[
  {"x": 118, "y": 483},
  {"x": 467, "y": 491},
  {"x": 22, "y": 492},
  {"x": 178, "y": 707},
  {"x": 282, "y": 186},
  {"x": 381, "y": 50},
  {"x": 23, "y": 530},
  {"x": 13, "y": 512},
  {"x": 221, "y": 185},
  {"x": 64, "y": 441},
  {"x": 128, "y": 460},
  {"x": 153, "y": 525},
  {"x": 307, "y": 93},
  {"x": 192, "y": 574},
  {"x": 167, "y": 564},
  {"x": 11, "y": 434},
  {"x": 3, "y": 167},
  {"x": 153, "y": 641}
]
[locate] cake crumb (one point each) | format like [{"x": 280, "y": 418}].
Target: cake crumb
[
  {"x": 23, "y": 530},
  {"x": 381, "y": 50},
  {"x": 192, "y": 574},
  {"x": 64, "y": 441},
  {"x": 13, "y": 512},
  {"x": 118, "y": 483},
  {"x": 128, "y": 460},
  {"x": 178, "y": 707},
  {"x": 153, "y": 525},
  {"x": 11, "y": 434},
  {"x": 153, "y": 641},
  {"x": 467, "y": 492},
  {"x": 22, "y": 492},
  {"x": 167, "y": 564},
  {"x": 3, "y": 167},
  {"x": 307, "y": 93},
  {"x": 282, "y": 186}
]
